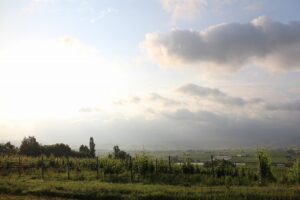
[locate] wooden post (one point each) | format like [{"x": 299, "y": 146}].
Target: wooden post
[
  {"x": 212, "y": 166},
  {"x": 7, "y": 164},
  {"x": 42, "y": 167},
  {"x": 131, "y": 174},
  {"x": 156, "y": 166},
  {"x": 181, "y": 166},
  {"x": 169, "y": 164},
  {"x": 97, "y": 165},
  {"x": 103, "y": 172},
  {"x": 68, "y": 168},
  {"x": 19, "y": 167}
]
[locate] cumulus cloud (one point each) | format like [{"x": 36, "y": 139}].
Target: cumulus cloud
[
  {"x": 215, "y": 94},
  {"x": 89, "y": 109},
  {"x": 230, "y": 46},
  {"x": 286, "y": 106},
  {"x": 130, "y": 100},
  {"x": 255, "y": 7},
  {"x": 182, "y": 128},
  {"x": 185, "y": 119},
  {"x": 150, "y": 99},
  {"x": 184, "y": 9},
  {"x": 164, "y": 100},
  {"x": 198, "y": 116}
]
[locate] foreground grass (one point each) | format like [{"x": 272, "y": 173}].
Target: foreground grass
[
  {"x": 14, "y": 197},
  {"x": 98, "y": 190}
]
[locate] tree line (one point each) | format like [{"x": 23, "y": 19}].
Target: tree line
[{"x": 31, "y": 147}]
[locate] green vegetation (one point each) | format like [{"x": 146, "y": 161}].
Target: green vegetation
[
  {"x": 92, "y": 150},
  {"x": 54, "y": 171},
  {"x": 31, "y": 147},
  {"x": 28, "y": 197},
  {"x": 120, "y": 167},
  {"x": 99, "y": 190},
  {"x": 294, "y": 175},
  {"x": 265, "y": 172}
]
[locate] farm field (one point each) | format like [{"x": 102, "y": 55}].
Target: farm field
[
  {"x": 148, "y": 167},
  {"x": 236, "y": 155},
  {"x": 148, "y": 175}
]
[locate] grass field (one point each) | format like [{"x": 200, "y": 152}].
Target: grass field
[
  {"x": 16, "y": 197},
  {"x": 25, "y": 189}
]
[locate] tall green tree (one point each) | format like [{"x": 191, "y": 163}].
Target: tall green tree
[
  {"x": 116, "y": 151},
  {"x": 84, "y": 150},
  {"x": 120, "y": 154},
  {"x": 92, "y": 147},
  {"x": 295, "y": 172},
  {"x": 30, "y": 147},
  {"x": 57, "y": 150},
  {"x": 264, "y": 168},
  {"x": 7, "y": 149}
]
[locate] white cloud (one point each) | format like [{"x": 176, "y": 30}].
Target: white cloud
[
  {"x": 90, "y": 109},
  {"x": 35, "y": 5},
  {"x": 255, "y": 7},
  {"x": 215, "y": 95},
  {"x": 56, "y": 77},
  {"x": 164, "y": 100},
  {"x": 229, "y": 47},
  {"x": 184, "y": 9},
  {"x": 130, "y": 100},
  {"x": 285, "y": 106},
  {"x": 104, "y": 13},
  {"x": 199, "y": 116},
  {"x": 189, "y": 97},
  {"x": 49, "y": 59},
  {"x": 187, "y": 124}
]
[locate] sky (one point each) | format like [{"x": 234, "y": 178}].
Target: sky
[{"x": 157, "y": 74}]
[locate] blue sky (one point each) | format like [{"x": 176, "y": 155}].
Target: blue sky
[
  {"x": 134, "y": 19},
  {"x": 115, "y": 70}
]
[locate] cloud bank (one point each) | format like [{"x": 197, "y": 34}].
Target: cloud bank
[
  {"x": 192, "y": 116},
  {"x": 230, "y": 46}
]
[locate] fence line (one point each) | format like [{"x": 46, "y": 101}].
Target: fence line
[{"x": 132, "y": 166}]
